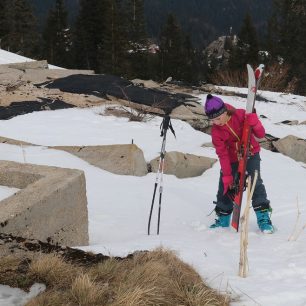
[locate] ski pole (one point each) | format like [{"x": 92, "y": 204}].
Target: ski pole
[{"x": 166, "y": 123}]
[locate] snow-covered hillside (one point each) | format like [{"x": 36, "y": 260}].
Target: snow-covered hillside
[{"x": 119, "y": 205}]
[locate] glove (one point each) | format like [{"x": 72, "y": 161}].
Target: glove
[
  {"x": 252, "y": 119},
  {"x": 228, "y": 182}
]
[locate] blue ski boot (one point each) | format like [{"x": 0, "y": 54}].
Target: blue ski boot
[
  {"x": 221, "y": 221},
  {"x": 264, "y": 221}
]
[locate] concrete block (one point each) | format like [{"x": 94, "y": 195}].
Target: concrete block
[
  {"x": 183, "y": 165},
  {"x": 51, "y": 205},
  {"x": 123, "y": 159}
]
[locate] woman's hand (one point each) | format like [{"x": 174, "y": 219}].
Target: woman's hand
[
  {"x": 228, "y": 182},
  {"x": 252, "y": 119}
]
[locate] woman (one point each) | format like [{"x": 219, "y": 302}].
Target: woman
[{"x": 226, "y": 134}]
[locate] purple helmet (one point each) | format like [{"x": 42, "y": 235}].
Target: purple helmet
[{"x": 214, "y": 106}]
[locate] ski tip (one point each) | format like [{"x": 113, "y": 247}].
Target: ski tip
[{"x": 259, "y": 71}]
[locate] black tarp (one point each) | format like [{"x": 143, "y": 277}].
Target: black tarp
[
  {"x": 25, "y": 107},
  {"x": 102, "y": 85}
]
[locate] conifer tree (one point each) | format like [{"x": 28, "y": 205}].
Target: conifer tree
[
  {"x": 137, "y": 39},
  {"x": 18, "y": 28},
  {"x": 100, "y": 39},
  {"x": 271, "y": 43},
  {"x": 171, "y": 50},
  {"x": 113, "y": 48},
  {"x": 88, "y": 34},
  {"x": 191, "y": 68},
  {"x": 3, "y": 25},
  {"x": 292, "y": 38},
  {"x": 246, "y": 50},
  {"x": 56, "y": 36}
]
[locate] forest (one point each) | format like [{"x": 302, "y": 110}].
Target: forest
[{"x": 122, "y": 38}]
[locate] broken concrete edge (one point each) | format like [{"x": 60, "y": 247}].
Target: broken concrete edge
[{"x": 51, "y": 205}]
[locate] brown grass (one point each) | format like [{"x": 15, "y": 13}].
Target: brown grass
[
  {"x": 52, "y": 270},
  {"x": 156, "y": 278},
  {"x": 139, "y": 114},
  {"x": 275, "y": 78},
  {"x": 230, "y": 78}
]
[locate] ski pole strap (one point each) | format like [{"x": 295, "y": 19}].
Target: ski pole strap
[{"x": 166, "y": 123}]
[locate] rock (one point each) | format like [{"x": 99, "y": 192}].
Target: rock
[
  {"x": 183, "y": 113},
  {"x": 123, "y": 159},
  {"x": 293, "y": 147},
  {"x": 184, "y": 165},
  {"x": 290, "y": 122}
]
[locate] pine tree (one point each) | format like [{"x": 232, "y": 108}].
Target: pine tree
[
  {"x": 271, "y": 43},
  {"x": 246, "y": 50},
  {"x": 137, "y": 39},
  {"x": 88, "y": 34},
  {"x": 100, "y": 42},
  {"x": 191, "y": 68},
  {"x": 56, "y": 36},
  {"x": 3, "y": 25},
  {"x": 113, "y": 48},
  {"x": 18, "y": 28},
  {"x": 298, "y": 50},
  {"x": 171, "y": 50},
  {"x": 292, "y": 38}
]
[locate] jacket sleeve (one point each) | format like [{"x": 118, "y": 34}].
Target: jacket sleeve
[
  {"x": 258, "y": 130},
  {"x": 222, "y": 152}
]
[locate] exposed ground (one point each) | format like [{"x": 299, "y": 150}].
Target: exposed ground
[{"x": 75, "y": 277}]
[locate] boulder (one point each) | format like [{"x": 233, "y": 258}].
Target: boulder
[
  {"x": 293, "y": 147},
  {"x": 123, "y": 159},
  {"x": 183, "y": 165}
]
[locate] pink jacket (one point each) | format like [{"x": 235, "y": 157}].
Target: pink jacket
[{"x": 226, "y": 139}]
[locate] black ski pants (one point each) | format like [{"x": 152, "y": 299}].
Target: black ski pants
[{"x": 224, "y": 205}]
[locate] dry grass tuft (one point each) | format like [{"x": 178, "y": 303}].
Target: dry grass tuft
[
  {"x": 156, "y": 278},
  {"x": 141, "y": 113},
  {"x": 235, "y": 78},
  {"x": 86, "y": 291},
  {"x": 52, "y": 270},
  {"x": 275, "y": 78}
]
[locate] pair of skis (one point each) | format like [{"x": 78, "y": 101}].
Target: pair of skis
[{"x": 254, "y": 78}]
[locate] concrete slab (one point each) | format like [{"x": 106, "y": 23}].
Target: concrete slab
[{"x": 51, "y": 205}]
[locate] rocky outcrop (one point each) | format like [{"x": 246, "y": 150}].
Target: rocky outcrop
[
  {"x": 293, "y": 147},
  {"x": 183, "y": 165},
  {"x": 50, "y": 206},
  {"x": 123, "y": 159}
]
